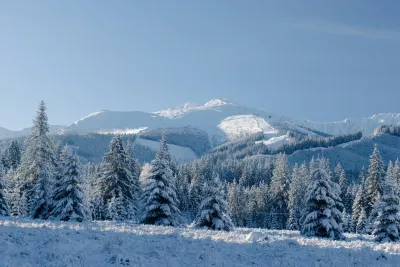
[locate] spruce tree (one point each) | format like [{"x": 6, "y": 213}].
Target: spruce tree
[
  {"x": 280, "y": 190},
  {"x": 359, "y": 204},
  {"x": 17, "y": 196},
  {"x": 362, "y": 222},
  {"x": 68, "y": 201},
  {"x": 182, "y": 191},
  {"x": 235, "y": 199},
  {"x": 396, "y": 175},
  {"x": 337, "y": 173},
  {"x": 297, "y": 191},
  {"x": 312, "y": 166},
  {"x": 374, "y": 181},
  {"x": 37, "y": 166},
  {"x": 214, "y": 209},
  {"x": 196, "y": 187},
  {"x": 387, "y": 222},
  {"x": 135, "y": 169},
  {"x": 160, "y": 203},
  {"x": 4, "y": 208},
  {"x": 376, "y": 175},
  {"x": 342, "y": 181},
  {"x": 322, "y": 216},
  {"x": 116, "y": 183},
  {"x": 14, "y": 153}
]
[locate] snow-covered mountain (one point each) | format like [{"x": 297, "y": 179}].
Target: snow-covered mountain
[
  {"x": 366, "y": 125},
  {"x": 221, "y": 119}
]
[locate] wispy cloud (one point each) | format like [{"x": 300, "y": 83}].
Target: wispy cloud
[{"x": 341, "y": 29}]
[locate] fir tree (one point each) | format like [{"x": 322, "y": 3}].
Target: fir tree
[
  {"x": 362, "y": 222},
  {"x": 337, "y": 173},
  {"x": 116, "y": 206},
  {"x": 313, "y": 166},
  {"x": 135, "y": 169},
  {"x": 37, "y": 166},
  {"x": 182, "y": 190},
  {"x": 4, "y": 208},
  {"x": 116, "y": 183},
  {"x": 396, "y": 175},
  {"x": 17, "y": 196},
  {"x": 214, "y": 209},
  {"x": 387, "y": 222},
  {"x": 297, "y": 192},
  {"x": 359, "y": 204},
  {"x": 280, "y": 190},
  {"x": 235, "y": 199},
  {"x": 14, "y": 153},
  {"x": 68, "y": 203},
  {"x": 196, "y": 188},
  {"x": 159, "y": 194},
  {"x": 322, "y": 216},
  {"x": 347, "y": 221},
  {"x": 374, "y": 181}
]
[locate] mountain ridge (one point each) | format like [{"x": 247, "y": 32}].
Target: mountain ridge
[{"x": 221, "y": 119}]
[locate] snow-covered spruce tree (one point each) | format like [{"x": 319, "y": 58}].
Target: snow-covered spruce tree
[
  {"x": 17, "y": 199},
  {"x": 196, "y": 188},
  {"x": 160, "y": 203},
  {"x": 337, "y": 173},
  {"x": 396, "y": 175},
  {"x": 214, "y": 209},
  {"x": 297, "y": 192},
  {"x": 362, "y": 222},
  {"x": 374, "y": 181},
  {"x": 201, "y": 173},
  {"x": 342, "y": 181},
  {"x": 359, "y": 204},
  {"x": 135, "y": 169},
  {"x": 313, "y": 165},
  {"x": 387, "y": 223},
  {"x": 15, "y": 155},
  {"x": 347, "y": 221},
  {"x": 4, "y": 208},
  {"x": 280, "y": 190},
  {"x": 37, "y": 166},
  {"x": 235, "y": 199},
  {"x": 322, "y": 216},
  {"x": 182, "y": 191},
  {"x": 115, "y": 183},
  {"x": 98, "y": 207},
  {"x": 68, "y": 203}
]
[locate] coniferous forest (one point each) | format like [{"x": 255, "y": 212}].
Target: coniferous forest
[{"x": 47, "y": 181}]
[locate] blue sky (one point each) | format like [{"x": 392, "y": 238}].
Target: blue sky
[{"x": 319, "y": 60}]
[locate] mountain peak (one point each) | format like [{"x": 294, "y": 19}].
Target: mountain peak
[{"x": 216, "y": 102}]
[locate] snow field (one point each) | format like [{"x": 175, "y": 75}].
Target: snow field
[
  {"x": 180, "y": 153},
  {"x": 242, "y": 125},
  {"x": 45, "y": 243}
]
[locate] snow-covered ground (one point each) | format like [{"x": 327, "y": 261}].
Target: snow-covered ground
[
  {"x": 276, "y": 142},
  {"x": 180, "y": 153},
  {"x": 242, "y": 125},
  {"x": 43, "y": 243}
]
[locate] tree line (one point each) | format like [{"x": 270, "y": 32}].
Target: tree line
[
  {"x": 50, "y": 183},
  {"x": 258, "y": 191}
]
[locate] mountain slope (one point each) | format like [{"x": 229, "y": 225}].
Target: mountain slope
[
  {"x": 220, "y": 119},
  {"x": 365, "y": 125}
]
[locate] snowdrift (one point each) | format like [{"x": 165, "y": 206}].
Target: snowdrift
[{"x": 43, "y": 243}]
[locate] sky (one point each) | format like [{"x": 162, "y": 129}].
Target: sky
[{"x": 317, "y": 60}]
